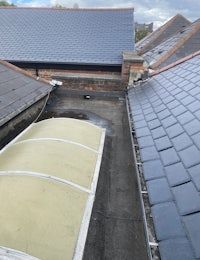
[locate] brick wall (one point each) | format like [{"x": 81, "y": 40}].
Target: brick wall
[
  {"x": 82, "y": 81},
  {"x": 132, "y": 70}
]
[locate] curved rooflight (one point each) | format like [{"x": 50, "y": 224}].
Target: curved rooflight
[
  {"x": 11, "y": 254},
  {"x": 48, "y": 178},
  {"x": 69, "y": 129}
]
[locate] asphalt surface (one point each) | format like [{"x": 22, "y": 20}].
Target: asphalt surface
[{"x": 116, "y": 230}]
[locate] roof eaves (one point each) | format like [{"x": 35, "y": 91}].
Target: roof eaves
[
  {"x": 156, "y": 72},
  {"x": 19, "y": 70},
  {"x": 160, "y": 31},
  {"x": 107, "y": 64},
  {"x": 176, "y": 46}
]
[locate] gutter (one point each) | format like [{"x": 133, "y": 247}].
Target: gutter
[{"x": 148, "y": 243}]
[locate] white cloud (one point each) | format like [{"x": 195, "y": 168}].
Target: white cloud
[{"x": 34, "y": 3}]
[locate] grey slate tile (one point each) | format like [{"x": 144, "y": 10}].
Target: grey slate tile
[
  {"x": 190, "y": 156},
  {"x": 158, "y": 132},
  {"x": 145, "y": 141},
  {"x": 153, "y": 169},
  {"x": 196, "y": 140},
  {"x": 181, "y": 142},
  {"x": 176, "y": 174},
  {"x": 192, "y": 127},
  {"x": 160, "y": 107},
  {"x": 143, "y": 131},
  {"x": 195, "y": 174},
  {"x": 195, "y": 91},
  {"x": 22, "y": 92},
  {"x": 181, "y": 95},
  {"x": 163, "y": 114},
  {"x": 169, "y": 121},
  {"x": 193, "y": 230},
  {"x": 167, "y": 221},
  {"x": 159, "y": 191},
  {"x": 150, "y": 117},
  {"x": 169, "y": 156},
  {"x": 140, "y": 124},
  {"x": 168, "y": 99},
  {"x": 154, "y": 124},
  {"x": 174, "y": 130},
  {"x": 194, "y": 106},
  {"x": 148, "y": 154},
  {"x": 178, "y": 110},
  {"x": 148, "y": 110},
  {"x": 173, "y": 104},
  {"x": 197, "y": 114},
  {"x": 187, "y": 100},
  {"x": 139, "y": 118},
  {"x": 187, "y": 198},
  {"x": 83, "y": 41},
  {"x": 185, "y": 117},
  {"x": 162, "y": 143},
  {"x": 176, "y": 90},
  {"x": 177, "y": 248}
]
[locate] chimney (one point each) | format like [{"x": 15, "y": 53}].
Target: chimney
[{"x": 133, "y": 69}]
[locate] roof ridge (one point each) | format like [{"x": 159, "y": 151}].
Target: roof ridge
[
  {"x": 191, "y": 32},
  {"x": 17, "y": 69},
  {"x": 67, "y": 8},
  {"x": 161, "y": 29},
  {"x": 156, "y": 72}
]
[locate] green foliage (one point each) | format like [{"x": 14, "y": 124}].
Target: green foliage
[
  {"x": 57, "y": 6},
  {"x": 5, "y": 3},
  {"x": 140, "y": 35}
]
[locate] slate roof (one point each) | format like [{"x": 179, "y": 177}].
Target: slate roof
[
  {"x": 176, "y": 47},
  {"x": 18, "y": 91},
  {"x": 166, "y": 115},
  {"x": 174, "y": 25},
  {"x": 69, "y": 36}
]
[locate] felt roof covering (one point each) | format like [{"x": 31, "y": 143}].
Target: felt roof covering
[
  {"x": 166, "y": 117},
  {"x": 48, "y": 179},
  {"x": 66, "y": 36},
  {"x": 18, "y": 91}
]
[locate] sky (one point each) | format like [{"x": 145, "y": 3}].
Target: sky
[{"x": 145, "y": 11}]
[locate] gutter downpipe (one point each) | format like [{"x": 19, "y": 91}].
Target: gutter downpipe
[{"x": 139, "y": 184}]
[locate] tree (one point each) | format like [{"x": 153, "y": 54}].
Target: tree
[
  {"x": 5, "y": 3},
  {"x": 57, "y": 6},
  {"x": 139, "y": 35}
]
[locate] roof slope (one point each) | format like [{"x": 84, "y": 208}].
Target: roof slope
[
  {"x": 72, "y": 36},
  {"x": 178, "y": 46},
  {"x": 166, "y": 116},
  {"x": 18, "y": 91},
  {"x": 174, "y": 25}
]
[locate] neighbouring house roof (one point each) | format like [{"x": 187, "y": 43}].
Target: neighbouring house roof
[
  {"x": 166, "y": 115},
  {"x": 18, "y": 91},
  {"x": 176, "y": 47},
  {"x": 69, "y": 36},
  {"x": 174, "y": 25}
]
